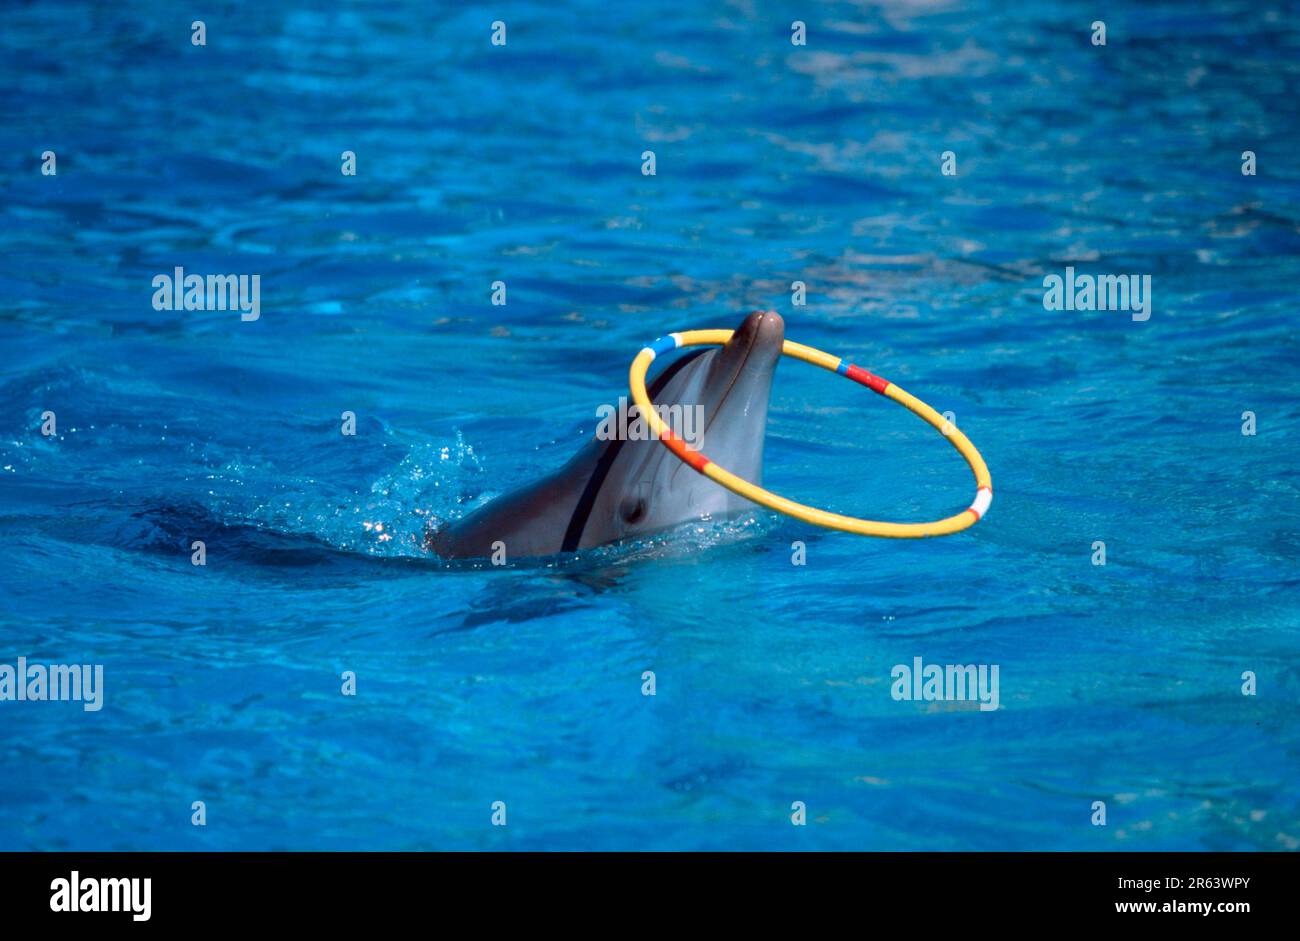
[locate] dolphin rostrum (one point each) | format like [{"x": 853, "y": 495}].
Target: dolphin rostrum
[{"x": 624, "y": 489}]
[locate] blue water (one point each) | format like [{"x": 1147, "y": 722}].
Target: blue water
[{"x": 1118, "y": 683}]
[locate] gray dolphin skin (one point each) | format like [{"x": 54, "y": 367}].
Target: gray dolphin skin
[{"x": 624, "y": 489}]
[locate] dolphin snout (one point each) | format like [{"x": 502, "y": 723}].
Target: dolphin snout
[
  {"x": 769, "y": 328},
  {"x": 758, "y": 340},
  {"x": 742, "y": 372}
]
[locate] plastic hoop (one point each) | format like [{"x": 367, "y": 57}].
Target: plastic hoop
[{"x": 809, "y": 514}]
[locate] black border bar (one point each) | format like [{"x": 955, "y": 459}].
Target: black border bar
[{"x": 332, "y": 890}]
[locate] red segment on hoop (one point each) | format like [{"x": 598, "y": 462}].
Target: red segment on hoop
[
  {"x": 870, "y": 380},
  {"x": 694, "y": 459}
]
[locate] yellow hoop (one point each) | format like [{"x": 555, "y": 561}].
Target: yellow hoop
[{"x": 809, "y": 514}]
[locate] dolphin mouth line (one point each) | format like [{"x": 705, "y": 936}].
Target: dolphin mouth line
[
  {"x": 740, "y": 368},
  {"x": 722, "y": 399}
]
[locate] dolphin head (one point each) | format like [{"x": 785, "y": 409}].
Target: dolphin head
[
  {"x": 627, "y": 487},
  {"x": 717, "y": 401}
]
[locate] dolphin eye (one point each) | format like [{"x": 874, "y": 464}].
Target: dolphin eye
[{"x": 632, "y": 509}]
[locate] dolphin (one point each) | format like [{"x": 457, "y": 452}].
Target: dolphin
[{"x": 613, "y": 490}]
